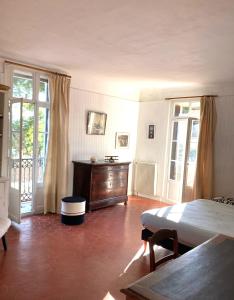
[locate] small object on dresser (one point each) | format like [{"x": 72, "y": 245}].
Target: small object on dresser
[
  {"x": 111, "y": 158},
  {"x": 93, "y": 159}
]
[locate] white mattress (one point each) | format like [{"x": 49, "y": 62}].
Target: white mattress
[{"x": 195, "y": 221}]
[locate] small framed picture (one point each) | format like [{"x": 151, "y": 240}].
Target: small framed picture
[
  {"x": 122, "y": 140},
  {"x": 151, "y": 131},
  {"x": 96, "y": 123}
]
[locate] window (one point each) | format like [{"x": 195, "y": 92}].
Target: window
[{"x": 182, "y": 112}]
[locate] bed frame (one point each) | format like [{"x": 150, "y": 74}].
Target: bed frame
[{"x": 168, "y": 244}]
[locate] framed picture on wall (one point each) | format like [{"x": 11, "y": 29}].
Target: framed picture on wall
[
  {"x": 96, "y": 123},
  {"x": 151, "y": 131},
  {"x": 121, "y": 140}
]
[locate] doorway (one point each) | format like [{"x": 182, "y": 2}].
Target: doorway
[
  {"x": 183, "y": 150},
  {"x": 29, "y": 124}
]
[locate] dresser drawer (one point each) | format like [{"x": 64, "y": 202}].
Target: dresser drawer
[
  {"x": 99, "y": 194},
  {"x": 110, "y": 184},
  {"x": 106, "y": 169},
  {"x": 109, "y": 176}
]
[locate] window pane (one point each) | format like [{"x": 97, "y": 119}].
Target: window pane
[
  {"x": 175, "y": 131},
  {"x": 43, "y": 120},
  {"x": 177, "y": 110},
  {"x": 192, "y": 156},
  {"x": 15, "y": 144},
  {"x": 43, "y": 92},
  {"x": 173, "y": 150},
  {"x": 22, "y": 85},
  {"x": 43, "y": 116},
  {"x": 178, "y": 171},
  {"x": 42, "y": 144},
  {"x": 195, "y": 129},
  {"x": 195, "y": 109},
  {"x": 172, "y": 171},
  {"x": 15, "y": 116},
  {"x": 41, "y": 169},
  {"x": 185, "y": 110},
  {"x": 181, "y": 149},
  {"x": 181, "y": 109},
  {"x": 175, "y": 171},
  {"x": 27, "y": 130}
]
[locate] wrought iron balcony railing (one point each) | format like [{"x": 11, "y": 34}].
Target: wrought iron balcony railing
[{"x": 25, "y": 184}]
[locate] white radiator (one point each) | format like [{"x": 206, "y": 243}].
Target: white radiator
[{"x": 145, "y": 178}]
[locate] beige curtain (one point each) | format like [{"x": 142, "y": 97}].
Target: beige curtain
[
  {"x": 56, "y": 173},
  {"x": 204, "y": 180}
]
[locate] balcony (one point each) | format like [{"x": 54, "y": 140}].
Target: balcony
[{"x": 24, "y": 186}]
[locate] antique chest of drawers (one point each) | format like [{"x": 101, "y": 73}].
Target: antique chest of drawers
[{"x": 101, "y": 183}]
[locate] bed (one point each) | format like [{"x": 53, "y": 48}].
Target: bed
[{"x": 195, "y": 221}]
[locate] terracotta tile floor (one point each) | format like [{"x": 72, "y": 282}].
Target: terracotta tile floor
[{"x": 49, "y": 260}]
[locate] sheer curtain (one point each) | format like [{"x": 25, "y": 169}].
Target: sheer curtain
[
  {"x": 204, "y": 181},
  {"x": 56, "y": 173}
]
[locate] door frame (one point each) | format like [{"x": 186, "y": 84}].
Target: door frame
[
  {"x": 36, "y": 75},
  {"x": 169, "y": 146}
]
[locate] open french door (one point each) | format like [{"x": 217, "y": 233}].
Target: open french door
[
  {"x": 190, "y": 159},
  {"x": 15, "y": 160},
  {"x": 28, "y": 138},
  {"x": 21, "y": 161},
  {"x": 183, "y": 156}
]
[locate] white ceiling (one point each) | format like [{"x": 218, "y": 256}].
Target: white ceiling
[{"x": 187, "y": 41}]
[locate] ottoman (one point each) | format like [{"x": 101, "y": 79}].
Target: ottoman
[{"x": 73, "y": 210}]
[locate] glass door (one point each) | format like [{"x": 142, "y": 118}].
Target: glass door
[
  {"x": 29, "y": 123},
  {"x": 15, "y": 160},
  {"x": 190, "y": 159},
  {"x": 183, "y": 151},
  {"x": 177, "y": 157}
]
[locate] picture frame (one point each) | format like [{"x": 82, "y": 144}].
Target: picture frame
[
  {"x": 96, "y": 123},
  {"x": 122, "y": 140},
  {"x": 151, "y": 131}
]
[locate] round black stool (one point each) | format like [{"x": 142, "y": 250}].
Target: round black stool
[{"x": 73, "y": 210}]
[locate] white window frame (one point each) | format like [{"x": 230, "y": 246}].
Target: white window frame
[{"x": 172, "y": 120}]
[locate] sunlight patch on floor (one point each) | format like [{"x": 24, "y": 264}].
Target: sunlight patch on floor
[
  {"x": 138, "y": 254},
  {"x": 108, "y": 297}
]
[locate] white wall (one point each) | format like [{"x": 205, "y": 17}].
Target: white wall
[
  {"x": 153, "y": 150},
  {"x": 156, "y": 110},
  {"x": 122, "y": 116}
]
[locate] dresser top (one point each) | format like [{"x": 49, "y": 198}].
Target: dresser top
[{"x": 102, "y": 163}]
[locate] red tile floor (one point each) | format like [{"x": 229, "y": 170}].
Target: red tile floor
[{"x": 92, "y": 261}]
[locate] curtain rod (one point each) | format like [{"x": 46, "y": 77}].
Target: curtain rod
[
  {"x": 35, "y": 68},
  {"x": 191, "y": 97}
]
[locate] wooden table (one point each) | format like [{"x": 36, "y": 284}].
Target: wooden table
[{"x": 206, "y": 272}]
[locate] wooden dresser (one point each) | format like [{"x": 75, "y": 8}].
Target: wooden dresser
[{"x": 101, "y": 183}]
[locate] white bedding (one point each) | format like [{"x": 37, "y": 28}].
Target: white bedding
[{"x": 195, "y": 221}]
